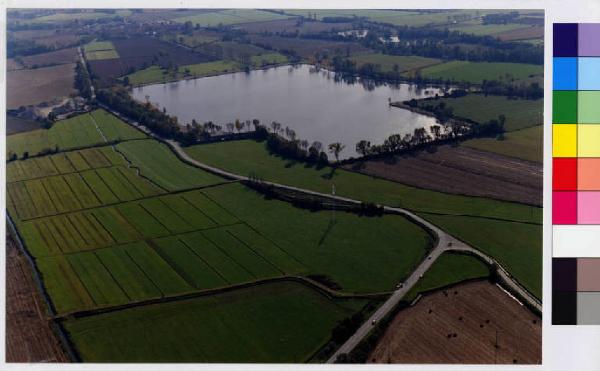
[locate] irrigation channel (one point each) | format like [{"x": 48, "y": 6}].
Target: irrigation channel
[{"x": 444, "y": 242}]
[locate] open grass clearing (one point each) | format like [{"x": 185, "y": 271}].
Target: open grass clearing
[
  {"x": 517, "y": 246},
  {"x": 519, "y": 113},
  {"x": 450, "y": 268},
  {"x": 102, "y": 54},
  {"x": 76, "y": 132},
  {"x": 230, "y": 17},
  {"x": 248, "y": 156},
  {"x": 525, "y": 144},
  {"x": 280, "y": 322},
  {"x": 156, "y": 162},
  {"x": 354, "y": 251},
  {"x": 476, "y": 72},
  {"x": 387, "y": 62}
]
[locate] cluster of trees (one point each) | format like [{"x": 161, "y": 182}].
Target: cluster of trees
[
  {"x": 16, "y": 48},
  {"x": 512, "y": 91},
  {"x": 441, "y": 111},
  {"x": 500, "y": 18},
  {"x": 347, "y": 69},
  {"x": 397, "y": 142},
  {"x": 292, "y": 148},
  {"x": 82, "y": 81},
  {"x": 442, "y": 44},
  {"x": 158, "y": 121}
]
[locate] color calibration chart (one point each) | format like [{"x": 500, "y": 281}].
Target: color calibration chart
[{"x": 576, "y": 174}]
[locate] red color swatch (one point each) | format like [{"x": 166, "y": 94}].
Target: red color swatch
[
  {"x": 564, "y": 174},
  {"x": 564, "y": 207}
]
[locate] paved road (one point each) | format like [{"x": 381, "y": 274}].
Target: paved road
[{"x": 444, "y": 242}]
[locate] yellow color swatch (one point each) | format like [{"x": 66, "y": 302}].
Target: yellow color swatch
[
  {"x": 588, "y": 140},
  {"x": 564, "y": 140}
]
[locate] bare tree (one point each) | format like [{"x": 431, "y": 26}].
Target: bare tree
[{"x": 335, "y": 149}]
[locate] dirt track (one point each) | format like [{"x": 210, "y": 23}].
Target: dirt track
[
  {"x": 29, "y": 335},
  {"x": 463, "y": 170},
  {"x": 425, "y": 333}
]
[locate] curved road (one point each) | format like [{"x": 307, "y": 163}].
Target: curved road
[{"x": 445, "y": 242}]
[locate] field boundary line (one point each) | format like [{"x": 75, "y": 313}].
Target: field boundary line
[
  {"x": 254, "y": 251},
  {"x": 112, "y": 276},
  {"x": 166, "y": 204},
  {"x": 37, "y": 277},
  {"x": 276, "y": 245},
  {"x": 90, "y": 187},
  {"x": 170, "y": 262},
  {"x": 228, "y": 255},
  {"x": 479, "y": 217},
  {"x": 327, "y": 292},
  {"x": 162, "y": 294},
  {"x": 132, "y": 200},
  {"x": 138, "y": 171},
  {"x": 187, "y": 246},
  {"x": 199, "y": 210}
]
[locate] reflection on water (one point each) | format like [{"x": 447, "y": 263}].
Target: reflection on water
[{"x": 319, "y": 105}]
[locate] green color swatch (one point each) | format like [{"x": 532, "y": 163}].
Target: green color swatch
[
  {"x": 588, "y": 107},
  {"x": 564, "y": 107}
]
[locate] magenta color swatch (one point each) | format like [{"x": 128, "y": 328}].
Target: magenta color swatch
[
  {"x": 589, "y": 39},
  {"x": 564, "y": 207},
  {"x": 588, "y": 207}
]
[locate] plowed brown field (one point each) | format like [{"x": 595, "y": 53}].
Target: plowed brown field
[
  {"x": 29, "y": 333},
  {"x": 463, "y": 170},
  {"x": 475, "y": 323}
]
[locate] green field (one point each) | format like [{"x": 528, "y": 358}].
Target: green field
[
  {"x": 413, "y": 18},
  {"x": 476, "y": 72},
  {"x": 77, "y": 132},
  {"x": 517, "y": 246},
  {"x": 248, "y": 156},
  {"x": 98, "y": 50},
  {"x": 526, "y": 144},
  {"x": 197, "y": 38},
  {"x": 279, "y": 322},
  {"x": 519, "y": 113},
  {"x": 387, "y": 62},
  {"x": 156, "y": 162},
  {"x": 450, "y": 268},
  {"x": 268, "y": 59},
  {"x": 79, "y": 16},
  {"x": 230, "y": 17},
  {"x": 155, "y": 74},
  {"x": 486, "y": 29},
  {"x": 102, "y": 54},
  {"x": 496, "y": 217},
  {"x": 104, "y": 234}
]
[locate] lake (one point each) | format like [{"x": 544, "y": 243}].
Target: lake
[{"x": 316, "y": 105}]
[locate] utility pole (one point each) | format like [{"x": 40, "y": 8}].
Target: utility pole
[{"x": 333, "y": 194}]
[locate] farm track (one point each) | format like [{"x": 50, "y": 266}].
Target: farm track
[
  {"x": 329, "y": 293},
  {"x": 444, "y": 242}
]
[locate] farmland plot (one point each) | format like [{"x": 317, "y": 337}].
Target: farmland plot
[
  {"x": 280, "y": 322},
  {"x": 75, "y": 132},
  {"x": 159, "y": 164},
  {"x": 28, "y": 87}
]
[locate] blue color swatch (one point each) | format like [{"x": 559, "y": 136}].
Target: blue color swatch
[
  {"x": 589, "y": 73},
  {"x": 565, "y": 73}
]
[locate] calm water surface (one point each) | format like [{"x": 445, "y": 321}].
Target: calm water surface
[{"x": 312, "y": 103}]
